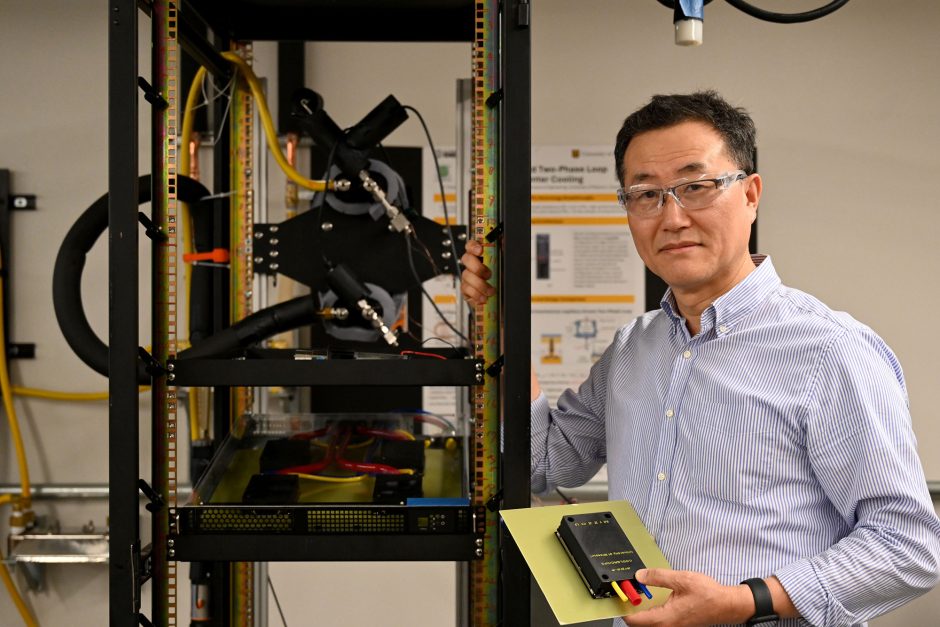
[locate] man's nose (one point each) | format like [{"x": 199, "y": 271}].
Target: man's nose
[{"x": 674, "y": 216}]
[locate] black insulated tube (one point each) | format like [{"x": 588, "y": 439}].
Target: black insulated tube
[
  {"x": 256, "y": 327},
  {"x": 70, "y": 263}
]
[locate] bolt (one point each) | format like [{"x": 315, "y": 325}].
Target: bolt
[
  {"x": 172, "y": 552},
  {"x": 479, "y": 366},
  {"x": 446, "y": 242},
  {"x": 259, "y": 259},
  {"x": 478, "y": 552},
  {"x": 479, "y": 542},
  {"x": 259, "y": 234},
  {"x": 479, "y": 378},
  {"x": 326, "y": 227},
  {"x": 170, "y": 366},
  {"x": 462, "y": 237},
  {"x": 273, "y": 266},
  {"x": 273, "y": 253},
  {"x": 273, "y": 241},
  {"x": 171, "y": 377},
  {"x": 171, "y": 542},
  {"x": 273, "y": 228},
  {"x": 446, "y": 254}
]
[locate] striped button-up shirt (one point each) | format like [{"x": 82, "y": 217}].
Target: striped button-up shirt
[{"x": 776, "y": 441}]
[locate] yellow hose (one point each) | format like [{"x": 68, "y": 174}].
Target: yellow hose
[
  {"x": 15, "y": 595},
  {"x": 25, "y": 496},
  {"x": 269, "y": 132},
  {"x": 57, "y": 395}
]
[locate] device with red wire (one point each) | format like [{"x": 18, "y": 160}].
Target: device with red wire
[{"x": 603, "y": 556}]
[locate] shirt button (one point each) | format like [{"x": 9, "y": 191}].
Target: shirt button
[
  {"x": 687, "y": 354},
  {"x": 670, "y": 413},
  {"x": 661, "y": 476},
  {"x": 723, "y": 329}
]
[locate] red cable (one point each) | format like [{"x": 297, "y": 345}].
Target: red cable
[
  {"x": 422, "y": 354},
  {"x": 630, "y": 591}
]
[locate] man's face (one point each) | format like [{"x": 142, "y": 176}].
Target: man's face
[{"x": 703, "y": 252}]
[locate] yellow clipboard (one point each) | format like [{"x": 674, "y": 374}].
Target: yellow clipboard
[{"x": 533, "y": 529}]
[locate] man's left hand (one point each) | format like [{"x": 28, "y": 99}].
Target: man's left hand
[{"x": 696, "y": 599}]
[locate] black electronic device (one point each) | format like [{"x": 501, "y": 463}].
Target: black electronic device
[
  {"x": 397, "y": 489},
  {"x": 284, "y": 453},
  {"x": 401, "y": 454},
  {"x": 600, "y": 551},
  {"x": 272, "y": 490}
]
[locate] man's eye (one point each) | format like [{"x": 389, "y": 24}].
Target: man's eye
[{"x": 650, "y": 194}]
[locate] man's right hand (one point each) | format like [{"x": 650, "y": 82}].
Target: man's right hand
[{"x": 473, "y": 279}]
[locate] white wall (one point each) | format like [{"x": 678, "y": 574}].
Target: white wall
[{"x": 845, "y": 109}]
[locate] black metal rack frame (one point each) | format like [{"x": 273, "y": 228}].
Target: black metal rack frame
[{"x": 364, "y": 20}]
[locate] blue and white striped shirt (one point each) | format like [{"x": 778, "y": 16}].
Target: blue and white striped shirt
[{"x": 777, "y": 441}]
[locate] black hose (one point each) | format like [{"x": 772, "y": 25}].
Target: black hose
[
  {"x": 256, "y": 327},
  {"x": 70, "y": 262},
  {"x": 771, "y": 16},
  {"x": 787, "y": 18}
]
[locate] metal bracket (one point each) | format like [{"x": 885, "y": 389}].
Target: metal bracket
[
  {"x": 156, "y": 501},
  {"x": 495, "y": 98},
  {"x": 493, "y": 502},
  {"x": 495, "y": 234},
  {"x": 21, "y": 351},
  {"x": 153, "y": 367},
  {"x": 143, "y": 620},
  {"x": 152, "y": 230},
  {"x": 145, "y": 570},
  {"x": 496, "y": 367},
  {"x": 151, "y": 95}
]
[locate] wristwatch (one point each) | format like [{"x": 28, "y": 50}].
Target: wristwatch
[{"x": 763, "y": 602}]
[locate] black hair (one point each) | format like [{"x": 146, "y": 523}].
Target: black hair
[{"x": 734, "y": 124}]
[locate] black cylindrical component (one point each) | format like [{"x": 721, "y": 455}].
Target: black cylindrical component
[
  {"x": 256, "y": 327},
  {"x": 377, "y": 125},
  {"x": 347, "y": 285}
]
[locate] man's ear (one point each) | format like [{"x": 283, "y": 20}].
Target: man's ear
[{"x": 753, "y": 187}]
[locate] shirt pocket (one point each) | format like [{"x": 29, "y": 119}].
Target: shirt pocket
[{"x": 734, "y": 455}]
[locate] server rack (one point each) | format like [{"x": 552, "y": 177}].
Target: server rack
[{"x": 131, "y": 564}]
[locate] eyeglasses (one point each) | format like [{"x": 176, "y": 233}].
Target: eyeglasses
[{"x": 646, "y": 201}]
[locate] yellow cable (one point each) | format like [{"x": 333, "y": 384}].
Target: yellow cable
[
  {"x": 15, "y": 595},
  {"x": 616, "y": 587},
  {"x": 6, "y": 390},
  {"x": 57, "y": 395},
  {"x": 405, "y": 433},
  {"x": 5, "y": 498},
  {"x": 270, "y": 133},
  {"x": 330, "y": 479}
]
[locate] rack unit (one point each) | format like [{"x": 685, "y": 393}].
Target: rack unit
[{"x": 131, "y": 564}]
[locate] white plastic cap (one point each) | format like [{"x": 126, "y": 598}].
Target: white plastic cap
[{"x": 689, "y": 32}]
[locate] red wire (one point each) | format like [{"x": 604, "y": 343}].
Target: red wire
[
  {"x": 630, "y": 591},
  {"x": 422, "y": 354}
]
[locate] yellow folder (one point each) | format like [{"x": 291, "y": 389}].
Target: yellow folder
[{"x": 533, "y": 529}]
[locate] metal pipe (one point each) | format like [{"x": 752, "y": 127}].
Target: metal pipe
[{"x": 74, "y": 491}]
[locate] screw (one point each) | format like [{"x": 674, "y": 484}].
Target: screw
[
  {"x": 479, "y": 542},
  {"x": 326, "y": 227},
  {"x": 171, "y": 377},
  {"x": 273, "y": 241},
  {"x": 273, "y": 253},
  {"x": 259, "y": 259},
  {"x": 171, "y": 542},
  {"x": 273, "y": 266},
  {"x": 446, "y": 254},
  {"x": 446, "y": 242},
  {"x": 478, "y": 553},
  {"x": 170, "y": 366},
  {"x": 462, "y": 237},
  {"x": 259, "y": 234},
  {"x": 479, "y": 367},
  {"x": 172, "y": 552},
  {"x": 273, "y": 228},
  {"x": 479, "y": 378}
]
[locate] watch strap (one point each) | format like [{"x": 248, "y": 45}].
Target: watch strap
[{"x": 763, "y": 602}]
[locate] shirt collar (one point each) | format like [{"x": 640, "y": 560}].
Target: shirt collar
[{"x": 734, "y": 304}]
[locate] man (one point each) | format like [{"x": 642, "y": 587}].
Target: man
[{"x": 759, "y": 435}]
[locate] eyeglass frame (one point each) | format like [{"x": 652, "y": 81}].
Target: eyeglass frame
[{"x": 724, "y": 182}]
